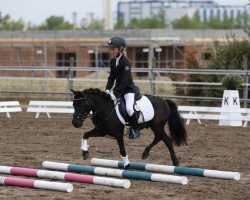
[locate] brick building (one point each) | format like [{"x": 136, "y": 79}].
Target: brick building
[{"x": 87, "y": 48}]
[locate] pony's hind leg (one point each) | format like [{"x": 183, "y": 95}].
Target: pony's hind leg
[
  {"x": 168, "y": 142},
  {"x": 145, "y": 153}
]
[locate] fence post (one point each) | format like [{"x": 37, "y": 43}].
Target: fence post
[
  {"x": 45, "y": 58},
  {"x": 70, "y": 77},
  {"x": 45, "y": 64},
  {"x": 246, "y": 81},
  {"x": 151, "y": 65},
  {"x": 152, "y": 78},
  {"x": 97, "y": 65}
]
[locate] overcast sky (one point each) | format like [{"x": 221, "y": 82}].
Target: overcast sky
[{"x": 36, "y": 11}]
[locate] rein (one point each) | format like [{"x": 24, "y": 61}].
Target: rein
[{"x": 96, "y": 112}]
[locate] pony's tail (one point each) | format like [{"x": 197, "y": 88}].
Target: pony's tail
[{"x": 176, "y": 125}]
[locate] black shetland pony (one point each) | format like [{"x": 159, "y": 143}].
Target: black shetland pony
[{"x": 99, "y": 106}]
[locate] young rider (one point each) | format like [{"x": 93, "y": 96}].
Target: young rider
[{"x": 120, "y": 71}]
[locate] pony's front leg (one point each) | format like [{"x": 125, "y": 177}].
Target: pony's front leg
[
  {"x": 84, "y": 143},
  {"x": 124, "y": 156}
]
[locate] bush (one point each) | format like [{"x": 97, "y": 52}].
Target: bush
[{"x": 232, "y": 81}]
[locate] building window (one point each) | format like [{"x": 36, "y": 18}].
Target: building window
[
  {"x": 63, "y": 60},
  {"x": 206, "y": 56},
  {"x": 204, "y": 15},
  {"x": 218, "y": 13},
  {"x": 101, "y": 61},
  {"x": 211, "y": 13}
]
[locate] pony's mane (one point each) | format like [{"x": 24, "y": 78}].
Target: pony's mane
[{"x": 97, "y": 92}]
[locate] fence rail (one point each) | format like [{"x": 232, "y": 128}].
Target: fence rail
[
  {"x": 154, "y": 81},
  {"x": 147, "y": 70}
]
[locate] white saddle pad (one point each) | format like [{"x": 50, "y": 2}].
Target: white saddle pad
[{"x": 144, "y": 106}]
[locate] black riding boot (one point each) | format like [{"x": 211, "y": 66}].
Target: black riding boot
[{"x": 134, "y": 130}]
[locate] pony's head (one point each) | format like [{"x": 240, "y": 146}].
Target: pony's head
[{"x": 81, "y": 108}]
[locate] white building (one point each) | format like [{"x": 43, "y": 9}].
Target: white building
[{"x": 175, "y": 9}]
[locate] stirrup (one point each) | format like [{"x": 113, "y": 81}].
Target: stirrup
[{"x": 134, "y": 133}]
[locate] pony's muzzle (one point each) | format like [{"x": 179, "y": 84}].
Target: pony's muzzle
[{"x": 77, "y": 123}]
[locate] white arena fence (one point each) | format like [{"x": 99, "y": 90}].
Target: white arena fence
[
  {"x": 8, "y": 107},
  {"x": 40, "y": 80},
  {"x": 187, "y": 112},
  {"x": 48, "y": 107},
  {"x": 214, "y": 113}
]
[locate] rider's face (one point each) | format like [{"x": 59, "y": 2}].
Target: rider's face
[{"x": 113, "y": 51}]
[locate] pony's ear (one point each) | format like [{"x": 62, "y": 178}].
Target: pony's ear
[{"x": 74, "y": 92}]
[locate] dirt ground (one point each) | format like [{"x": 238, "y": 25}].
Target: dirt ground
[{"x": 27, "y": 142}]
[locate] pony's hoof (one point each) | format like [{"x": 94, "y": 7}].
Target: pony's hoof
[
  {"x": 145, "y": 155},
  {"x": 127, "y": 167},
  {"x": 85, "y": 155},
  {"x": 176, "y": 163}
]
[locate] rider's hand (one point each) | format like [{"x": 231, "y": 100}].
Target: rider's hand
[{"x": 113, "y": 97}]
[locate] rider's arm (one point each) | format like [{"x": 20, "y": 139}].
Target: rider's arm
[
  {"x": 111, "y": 77},
  {"x": 126, "y": 76}
]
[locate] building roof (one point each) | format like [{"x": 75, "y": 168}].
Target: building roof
[{"x": 205, "y": 35}]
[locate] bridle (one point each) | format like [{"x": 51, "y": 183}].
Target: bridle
[
  {"x": 91, "y": 114},
  {"x": 83, "y": 116}
]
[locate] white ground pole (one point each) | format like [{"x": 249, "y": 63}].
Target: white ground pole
[
  {"x": 116, "y": 172},
  {"x": 169, "y": 169}
]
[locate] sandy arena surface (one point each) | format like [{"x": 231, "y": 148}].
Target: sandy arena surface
[{"x": 27, "y": 142}]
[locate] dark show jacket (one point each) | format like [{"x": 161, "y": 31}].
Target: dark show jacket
[{"x": 122, "y": 75}]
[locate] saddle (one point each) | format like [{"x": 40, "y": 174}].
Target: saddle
[
  {"x": 122, "y": 107},
  {"x": 142, "y": 106}
]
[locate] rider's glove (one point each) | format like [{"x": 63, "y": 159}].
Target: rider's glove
[{"x": 111, "y": 94}]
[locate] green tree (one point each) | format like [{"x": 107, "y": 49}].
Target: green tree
[
  {"x": 95, "y": 24},
  {"x": 134, "y": 24},
  {"x": 215, "y": 23},
  {"x": 152, "y": 23},
  {"x": 247, "y": 22},
  {"x": 238, "y": 22},
  {"x": 212, "y": 23},
  {"x": 230, "y": 57},
  {"x": 227, "y": 21},
  {"x": 189, "y": 23},
  {"x": 191, "y": 90},
  {"x": 155, "y": 22},
  {"x": 182, "y": 23},
  {"x": 7, "y": 24},
  {"x": 54, "y": 23},
  {"x": 193, "y": 63},
  {"x": 227, "y": 56},
  {"x": 119, "y": 24}
]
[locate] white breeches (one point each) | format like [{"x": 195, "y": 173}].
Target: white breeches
[{"x": 129, "y": 98}]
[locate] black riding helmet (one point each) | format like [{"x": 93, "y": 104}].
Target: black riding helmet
[{"x": 117, "y": 42}]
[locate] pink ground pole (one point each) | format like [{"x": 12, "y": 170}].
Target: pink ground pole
[
  {"x": 20, "y": 182},
  {"x": 63, "y": 176},
  {"x": 36, "y": 184},
  {"x": 23, "y": 171},
  {"x": 68, "y": 176},
  {"x": 79, "y": 178}
]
